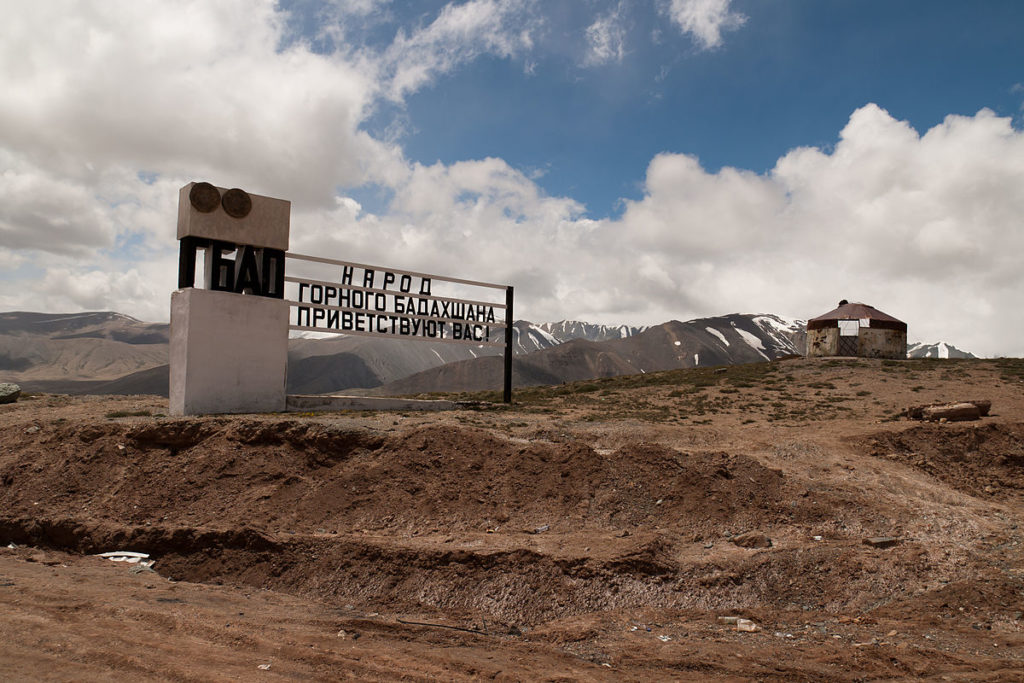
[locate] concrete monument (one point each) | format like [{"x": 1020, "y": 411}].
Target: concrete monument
[{"x": 229, "y": 339}]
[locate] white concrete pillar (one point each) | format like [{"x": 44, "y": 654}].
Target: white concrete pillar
[{"x": 229, "y": 353}]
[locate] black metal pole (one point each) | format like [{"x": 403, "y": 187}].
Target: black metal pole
[{"x": 509, "y": 333}]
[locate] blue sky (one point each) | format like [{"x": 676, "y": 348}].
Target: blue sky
[
  {"x": 789, "y": 76},
  {"x": 620, "y": 162}
]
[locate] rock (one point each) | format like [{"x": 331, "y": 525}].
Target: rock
[
  {"x": 752, "y": 539},
  {"x": 730, "y": 621},
  {"x": 9, "y": 393},
  {"x": 950, "y": 412},
  {"x": 881, "y": 541},
  {"x": 914, "y": 412},
  {"x": 983, "y": 406}
]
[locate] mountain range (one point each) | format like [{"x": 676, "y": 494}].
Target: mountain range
[
  {"x": 936, "y": 350},
  {"x": 111, "y": 353}
]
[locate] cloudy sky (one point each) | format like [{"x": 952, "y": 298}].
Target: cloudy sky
[{"x": 632, "y": 161}]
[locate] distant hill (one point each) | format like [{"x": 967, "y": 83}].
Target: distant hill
[
  {"x": 107, "y": 352},
  {"x": 93, "y": 346},
  {"x": 723, "y": 340},
  {"x": 110, "y": 353}
]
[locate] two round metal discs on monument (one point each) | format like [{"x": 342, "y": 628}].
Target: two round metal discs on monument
[{"x": 205, "y": 198}]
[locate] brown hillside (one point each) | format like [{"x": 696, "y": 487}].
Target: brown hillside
[{"x": 591, "y": 531}]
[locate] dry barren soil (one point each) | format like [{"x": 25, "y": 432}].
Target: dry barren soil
[{"x": 594, "y": 531}]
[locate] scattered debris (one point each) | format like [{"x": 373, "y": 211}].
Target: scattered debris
[
  {"x": 881, "y": 541},
  {"x": 747, "y": 625},
  {"x": 263, "y": 667},
  {"x": 664, "y": 639},
  {"x": 141, "y": 559},
  {"x": 752, "y": 539},
  {"x": 482, "y": 632}
]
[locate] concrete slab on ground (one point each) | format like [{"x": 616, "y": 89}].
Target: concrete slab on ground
[{"x": 313, "y": 402}]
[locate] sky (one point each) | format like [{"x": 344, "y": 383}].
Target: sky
[{"x": 627, "y": 162}]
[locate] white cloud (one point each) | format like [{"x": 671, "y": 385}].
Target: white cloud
[
  {"x": 484, "y": 218},
  {"x": 92, "y": 290},
  {"x": 925, "y": 227},
  {"x": 184, "y": 88},
  {"x": 606, "y": 38},
  {"x": 459, "y": 34},
  {"x": 705, "y": 20},
  {"x": 39, "y": 212}
]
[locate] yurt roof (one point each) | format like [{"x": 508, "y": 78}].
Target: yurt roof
[{"x": 856, "y": 311}]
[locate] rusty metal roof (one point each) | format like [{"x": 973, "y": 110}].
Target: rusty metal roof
[{"x": 856, "y": 311}]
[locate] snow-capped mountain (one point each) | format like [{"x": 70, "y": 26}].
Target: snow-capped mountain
[
  {"x": 530, "y": 337},
  {"x": 574, "y": 329},
  {"x": 936, "y": 350},
  {"x": 789, "y": 334},
  {"x": 723, "y": 340}
]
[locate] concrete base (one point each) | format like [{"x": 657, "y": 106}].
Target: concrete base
[
  {"x": 302, "y": 402},
  {"x": 229, "y": 353}
]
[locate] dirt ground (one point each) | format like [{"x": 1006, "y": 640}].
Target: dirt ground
[{"x": 596, "y": 531}]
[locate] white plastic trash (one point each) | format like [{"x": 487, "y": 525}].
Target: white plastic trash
[{"x": 129, "y": 557}]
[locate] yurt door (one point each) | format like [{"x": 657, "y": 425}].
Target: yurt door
[{"x": 849, "y": 331}]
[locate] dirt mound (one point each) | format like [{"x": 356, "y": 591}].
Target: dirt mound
[
  {"x": 354, "y": 514},
  {"x": 986, "y": 461},
  {"x": 299, "y": 477},
  {"x": 513, "y": 585}
]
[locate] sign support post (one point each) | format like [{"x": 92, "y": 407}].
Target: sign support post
[{"x": 509, "y": 334}]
